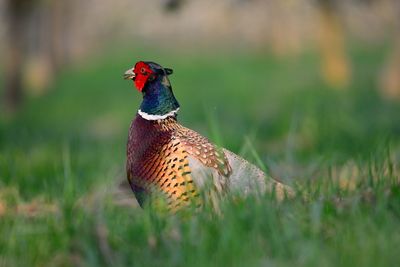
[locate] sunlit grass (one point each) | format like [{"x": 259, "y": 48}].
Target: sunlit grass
[{"x": 62, "y": 158}]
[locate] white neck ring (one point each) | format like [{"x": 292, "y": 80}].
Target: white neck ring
[{"x": 152, "y": 117}]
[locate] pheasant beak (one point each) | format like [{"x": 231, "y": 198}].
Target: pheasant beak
[{"x": 129, "y": 75}]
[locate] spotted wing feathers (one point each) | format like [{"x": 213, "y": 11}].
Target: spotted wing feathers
[{"x": 203, "y": 150}]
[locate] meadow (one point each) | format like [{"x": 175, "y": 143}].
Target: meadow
[{"x": 62, "y": 157}]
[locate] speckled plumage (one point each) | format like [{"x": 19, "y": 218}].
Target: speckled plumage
[
  {"x": 158, "y": 160},
  {"x": 165, "y": 157}
]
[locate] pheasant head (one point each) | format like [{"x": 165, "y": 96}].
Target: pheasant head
[{"x": 152, "y": 81}]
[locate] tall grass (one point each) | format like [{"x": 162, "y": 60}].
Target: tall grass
[{"x": 62, "y": 158}]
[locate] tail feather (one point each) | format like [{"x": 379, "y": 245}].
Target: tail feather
[{"x": 248, "y": 178}]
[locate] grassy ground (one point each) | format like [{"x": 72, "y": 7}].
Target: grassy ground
[{"x": 63, "y": 154}]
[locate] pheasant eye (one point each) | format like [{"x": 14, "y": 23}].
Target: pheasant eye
[{"x": 143, "y": 71}]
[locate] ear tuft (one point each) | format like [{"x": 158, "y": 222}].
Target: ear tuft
[{"x": 168, "y": 71}]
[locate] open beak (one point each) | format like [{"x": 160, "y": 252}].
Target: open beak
[{"x": 129, "y": 75}]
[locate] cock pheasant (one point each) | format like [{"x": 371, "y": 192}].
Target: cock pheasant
[{"x": 167, "y": 160}]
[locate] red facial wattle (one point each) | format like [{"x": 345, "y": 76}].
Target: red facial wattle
[
  {"x": 140, "y": 81},
  {"x": 142, "y": 74}
]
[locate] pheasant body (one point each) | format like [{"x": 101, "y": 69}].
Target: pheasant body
[{"x": 169, "y": 160}]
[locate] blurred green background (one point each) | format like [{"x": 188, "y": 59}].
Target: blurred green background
[{"x": 307, "y": 90}]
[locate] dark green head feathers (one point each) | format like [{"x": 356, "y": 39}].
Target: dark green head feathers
[{"x": 152, "y": 80}]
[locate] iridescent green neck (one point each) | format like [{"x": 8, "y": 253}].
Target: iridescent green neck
[{"x": 159, "y": 101}]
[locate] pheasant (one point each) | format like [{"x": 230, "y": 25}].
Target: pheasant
[{"x": 166, "y": 160}]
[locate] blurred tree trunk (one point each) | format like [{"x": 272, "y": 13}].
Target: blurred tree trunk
[
  {"x": 36, "y": 47},
  {"x": 172, "y": 5},
  {"x": 15, "y": 46},
  {"x": 47, "y": 51},
  {"x": 58, "y": 10},
  {"x": 390, "y": 79},
  {"x": 335, "y": 64}
]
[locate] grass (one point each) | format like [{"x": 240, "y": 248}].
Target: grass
[{"x": 63, "y": 154}]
